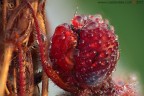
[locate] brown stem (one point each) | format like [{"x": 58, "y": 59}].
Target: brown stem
[
  {"x": 17, "y": 2},
  {"x": 14, "y": 16},
  {"x": 46, "y": 22},
  {"x": 4, "y": 14},
  {"x": 14, "y": 81},
  {"x": 7, "y": 91},
  {"x": 45, "y": 84},
  {"x": 5, "y": 66}
]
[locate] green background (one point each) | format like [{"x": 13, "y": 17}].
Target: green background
[{"x": 128, "y": 20}]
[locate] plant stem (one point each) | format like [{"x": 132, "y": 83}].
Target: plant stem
[
  {"x": 4, "y": 14},
  {"x": 14, "y": 81},
  {"x": 5, "y": 66},
  {"x": 45, "y": 84},
  {"x": 17, "y": 2}
]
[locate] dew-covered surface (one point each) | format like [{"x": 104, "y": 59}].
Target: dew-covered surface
[
  {"x": 84, "y": 53},
  {"x": 120, "y": 78}
]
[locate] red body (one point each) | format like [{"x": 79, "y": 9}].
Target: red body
[{"x": 84, "y": 53}]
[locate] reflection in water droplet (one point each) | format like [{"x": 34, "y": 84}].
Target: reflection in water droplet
[{"x": 91, "y": 26}]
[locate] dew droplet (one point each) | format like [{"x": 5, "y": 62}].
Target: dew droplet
[
  {"x": 106, "y": 21},
  {"x": 116, "y": 37},
  {"x": 112, "y": 29},
  {"x": 83, "y": 69},
  {"x": 63, "y": 37},
  {"x": 99, "y": 16},
  {"x": 85, "y": 18},
  {"x": 91, "y": 26},
  {"x": 94, "y": 52},
  {"x": 82, "y": 41},
  {"x": 99, "y": 41}
]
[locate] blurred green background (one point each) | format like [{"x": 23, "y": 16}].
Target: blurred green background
[{"x": 126, "y": 16}]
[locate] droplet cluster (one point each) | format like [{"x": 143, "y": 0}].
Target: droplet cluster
[{"x": 85, "y": 52}]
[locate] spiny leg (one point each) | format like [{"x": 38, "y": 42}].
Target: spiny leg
[{"x": 9, "y": 48}]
